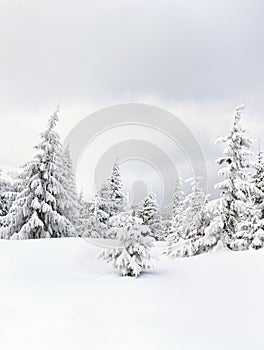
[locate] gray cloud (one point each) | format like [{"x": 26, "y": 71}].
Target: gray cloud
[
  {"x": 193, "y": 57},
  {"x": 173, "y": 49}
]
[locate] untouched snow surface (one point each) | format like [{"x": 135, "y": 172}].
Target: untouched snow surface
[{"x": 55, "y": 295}]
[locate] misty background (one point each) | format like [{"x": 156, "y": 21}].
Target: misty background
[{"x": 193, "y": 58}]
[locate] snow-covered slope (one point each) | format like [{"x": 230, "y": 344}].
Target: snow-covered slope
[{"x": 55, "y": 295}]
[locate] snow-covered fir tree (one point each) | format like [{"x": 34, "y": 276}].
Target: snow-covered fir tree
[
  {"x": 69, "y": 183},
  {"x": 195, "y": 222},
  {"x": 150, "y": 215},
  {"x": 95, "y": 214},
  {"x": 196, "y": 219},
  {"x": 210, "y": 232},
  {"x": 175, "y": 229},
  {"x": 103, "y": 203},
  {"x": 96, "y": 223},
  {"x": 84, "y": 211},
  {"x": 117, "y": 197},
  {"x": 38, "y": 210},
  {"x": 251, "y": 228},
  {"x": 6, "y": 188},
  {"x": 236, "y": 188},
  {"x": 109, "y": 201},
  {"x": 100, "y": 212},
  {"x": 257, "y": 179},
  {"x": 213, "y": 229},
  {"x": 10, "y": 189},
  {"x": 133, "y": 256},
  {"x": 253, "y": 224}
]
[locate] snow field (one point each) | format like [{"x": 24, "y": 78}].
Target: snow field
[{"x": 55, "y": 295}]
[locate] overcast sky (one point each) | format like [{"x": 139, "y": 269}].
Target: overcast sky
[{"x": 193, "y": 58}]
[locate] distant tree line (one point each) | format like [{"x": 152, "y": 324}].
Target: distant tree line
[{"x": 42, "y": 202}]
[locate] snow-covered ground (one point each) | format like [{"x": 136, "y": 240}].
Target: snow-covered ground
[{"x": 56, "y": 296}]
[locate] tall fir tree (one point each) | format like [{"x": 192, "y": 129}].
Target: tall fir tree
[
  {"x": 69, "y": 184},
  {"x": 175, "y": 229},
  {"x": 235, "y": 188},
  {"x": 117, "y": 197},
  {"x": 253, "y": 224},
  {"x": 257, "y": 180},
  {"x": 109, "y": 201},
  {"x": 38, "y": 210},
  {"x": 84, "y": 209}
]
